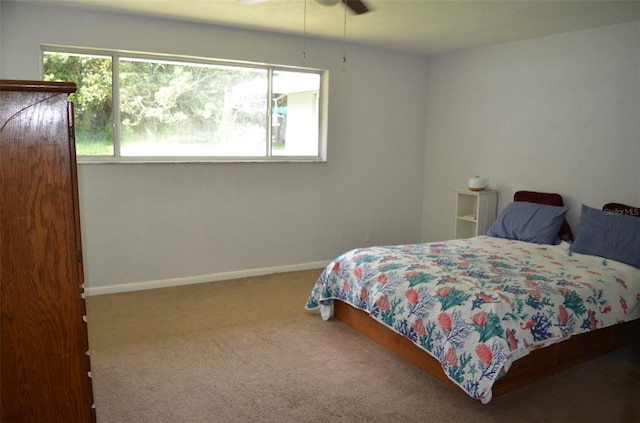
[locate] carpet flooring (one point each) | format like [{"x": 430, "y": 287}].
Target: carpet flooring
[{"x": 245, "y": 350}]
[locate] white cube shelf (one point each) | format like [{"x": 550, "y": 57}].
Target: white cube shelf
[{"x": 475, "y": 212}]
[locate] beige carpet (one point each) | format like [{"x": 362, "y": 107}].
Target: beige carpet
[{"x": 247, "y": 351}]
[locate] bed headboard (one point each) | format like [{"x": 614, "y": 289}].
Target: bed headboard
[
  {"x": 619, "y": 208},
  {"x": 549, "y": 199}
]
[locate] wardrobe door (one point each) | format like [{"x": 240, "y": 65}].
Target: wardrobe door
[{"x": 45, "y": 371}]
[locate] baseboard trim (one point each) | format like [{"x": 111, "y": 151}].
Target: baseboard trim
[{"x": 213, "y": 277}]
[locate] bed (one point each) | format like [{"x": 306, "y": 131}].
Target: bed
[{"x": 493, "y": 313}]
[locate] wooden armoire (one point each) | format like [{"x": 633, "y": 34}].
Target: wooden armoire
[{"x": 44, "y": 369}]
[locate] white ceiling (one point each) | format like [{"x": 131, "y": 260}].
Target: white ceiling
[{"x": 418, "y": 26}]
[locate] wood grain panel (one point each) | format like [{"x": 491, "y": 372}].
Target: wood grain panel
[{"x": 44, "y": 366}]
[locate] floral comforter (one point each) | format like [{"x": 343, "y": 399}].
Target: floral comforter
[{"x": 479, "y": 304}]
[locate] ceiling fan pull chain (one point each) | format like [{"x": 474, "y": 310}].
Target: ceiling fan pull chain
[
  {"x": 344, "y": 38},
  {"x": 304, "y": 35}
]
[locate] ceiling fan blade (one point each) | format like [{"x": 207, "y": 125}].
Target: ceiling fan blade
[{"x": 357, "y": 6}]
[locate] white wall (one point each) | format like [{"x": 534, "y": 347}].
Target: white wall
[
  {"x": 558, "y": 113},
  {"x": 554, "y": 114},
  {"x": 152, "y": 224}
]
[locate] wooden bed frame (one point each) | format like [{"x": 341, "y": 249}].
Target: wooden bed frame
[{"x": 535, "y": 366}]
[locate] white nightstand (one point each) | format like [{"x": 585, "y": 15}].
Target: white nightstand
[{"x": 475, "y": 212}]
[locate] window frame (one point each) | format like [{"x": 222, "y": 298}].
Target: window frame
[{"x": 187, "y": 60}]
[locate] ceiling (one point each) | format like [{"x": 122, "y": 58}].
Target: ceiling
[{"x": 417, "y": 26}]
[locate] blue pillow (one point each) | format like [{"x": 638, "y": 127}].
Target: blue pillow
[
  {"x": 531, "y": 222},
  {"x": 609, "y": 235}
]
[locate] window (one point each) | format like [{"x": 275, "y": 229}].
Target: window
[{"x": 139, "y": 107}]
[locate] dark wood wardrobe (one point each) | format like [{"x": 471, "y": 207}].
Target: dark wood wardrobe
[{"x": 44, "y": 369}]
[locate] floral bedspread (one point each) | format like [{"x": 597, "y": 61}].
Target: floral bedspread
[{"x": 479, "y": 304}]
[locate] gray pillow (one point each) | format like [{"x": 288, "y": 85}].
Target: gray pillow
[
  {"x": 531, "y": 222},
  {"x": 608, "y": 235}
]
